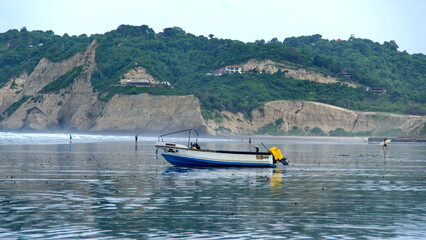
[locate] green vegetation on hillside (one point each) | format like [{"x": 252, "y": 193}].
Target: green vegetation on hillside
[
  {"x": 20, "y": 51},
  {"x": 374, "y": 65},
  {"x": 12, "y": 108},
  {"x": 63, "y": 81},
  {"x": 184, "y": 60}
]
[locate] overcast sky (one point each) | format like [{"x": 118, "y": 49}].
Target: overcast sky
[{"x": 244, "y": 20}]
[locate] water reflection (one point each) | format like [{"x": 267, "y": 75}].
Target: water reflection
[
  {"x": 276, "y": 180},
  {"x": 385, "y": 152},
  {"x": 98, "y": 191}
]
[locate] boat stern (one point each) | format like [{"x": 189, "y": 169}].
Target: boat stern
[{"x": 278, "y": 155}]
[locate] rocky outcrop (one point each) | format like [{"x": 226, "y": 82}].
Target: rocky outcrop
[
  {"x": 290, "y": 70},
  {"x": 137, "y": 74}
]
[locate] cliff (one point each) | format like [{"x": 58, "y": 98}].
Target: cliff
[
  {"x": 285, "y": 116},
  {"x": 24, "y": 104},
  {"x": 69, "y": 107},
  {"x": 77, "y": 106},
  {"x": 145, "y": 112}
]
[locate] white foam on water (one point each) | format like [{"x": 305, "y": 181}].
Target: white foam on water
[{"x": 11, "y": 138}]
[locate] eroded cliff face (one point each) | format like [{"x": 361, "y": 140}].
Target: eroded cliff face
[
  {"x": 308, "y": 115},
  {"x": 68, "y": 108},
  {"x": 77, "y": 107},
  {"x": 150, "y": 113}
]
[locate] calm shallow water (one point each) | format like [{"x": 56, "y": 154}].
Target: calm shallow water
[{"x": 332, "y": 189}]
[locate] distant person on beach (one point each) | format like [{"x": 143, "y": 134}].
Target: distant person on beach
[
  {"x": 385, "y": 145},
  {"x": 136, "y": 138},
  {"x": 70, "y": 138}
]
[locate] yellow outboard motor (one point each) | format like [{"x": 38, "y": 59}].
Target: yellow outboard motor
[{"x": 278, "y": 155}]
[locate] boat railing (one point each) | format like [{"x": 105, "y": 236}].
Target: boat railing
[{"x": 160, "y": 138}]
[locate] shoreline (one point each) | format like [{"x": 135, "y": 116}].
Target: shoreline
[
  {"x": 397, "y": 139},
  {"x": 43, "y": 138}
]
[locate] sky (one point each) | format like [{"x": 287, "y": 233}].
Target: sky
[{"x": 245, "y": 20}]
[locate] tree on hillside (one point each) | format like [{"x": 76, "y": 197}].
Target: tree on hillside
[{"x": 184, "y": 60}]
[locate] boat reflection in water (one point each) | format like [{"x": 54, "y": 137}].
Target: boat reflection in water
[
  {"x": 276, "y": 179},
  {"x": 273, "y": 177}
]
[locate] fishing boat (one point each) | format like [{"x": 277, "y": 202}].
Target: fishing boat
[{"x": 192, "y": 155}]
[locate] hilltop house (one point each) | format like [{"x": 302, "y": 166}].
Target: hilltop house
[
  {"x": 144, "y": 82},
  {"x": 229, "y": 69},
  {"x": 232, "y": 69},
  {"x": 135, "y": 81}
]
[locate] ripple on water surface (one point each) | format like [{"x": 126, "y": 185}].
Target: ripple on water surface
[{"x": 119, "y": 190}]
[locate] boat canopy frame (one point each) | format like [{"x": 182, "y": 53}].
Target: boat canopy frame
[{"x": 160, "y": 138}]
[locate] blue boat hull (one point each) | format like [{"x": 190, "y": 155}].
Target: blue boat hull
[{"x": 195, "y": 162}]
